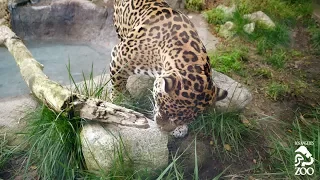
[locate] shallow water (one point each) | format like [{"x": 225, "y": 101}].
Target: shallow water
[{"x": 55, "y": 57}]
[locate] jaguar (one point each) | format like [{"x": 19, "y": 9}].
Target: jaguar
[{"x": 161, "y": 42}]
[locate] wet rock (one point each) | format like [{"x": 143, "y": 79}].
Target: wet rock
[
  {"x": 238, "y": 95},
  {"x": 226, "y": 30},
  {"x": 66, "y": 21},
  {"x": 261, "y": 17},
  {"x": 139, "y": 85},
  {"x": 228, "y": 11},
  {"x": 249, "y": 28},
  {"x": 146, "y": 147}
]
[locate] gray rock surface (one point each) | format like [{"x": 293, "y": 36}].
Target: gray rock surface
[
  {"x": 208, "y": 39},
  {"x": 139, "y": 85},
  {"x": 238, "y": 95},
  {"x": 228, "y": 11},
  {"x": 261, "y": 17},
  {"x": 177, "y": 4},
  {"x": 146, "y": 147},
  {"x": 249, "y": 28},
  {"x": 187, "y": 149},
  {"x": 12, "y": 112},
  {"x": 66, "y": 21},
  {"x": 227, "y": 30}
]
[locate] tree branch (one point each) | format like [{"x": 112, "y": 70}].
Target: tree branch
[{"x": 59, "y": 98}]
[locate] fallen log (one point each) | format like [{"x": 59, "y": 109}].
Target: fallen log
[{"x": 59, "y": 98}]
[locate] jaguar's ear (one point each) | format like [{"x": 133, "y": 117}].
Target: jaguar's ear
[{"x": 169, "y": 83}]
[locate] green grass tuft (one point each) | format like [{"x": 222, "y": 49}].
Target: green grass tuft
[
  {"x": 195, "y": 5},
  {"x": 277, "y": 90},
  {"x": 282, "y": 153},
  {"x": 55, "y": 145},
  {"x": 277, "y": 58},
  {"x": 6, "y": 151},
  {"x": 225, "y": 129},
  {"x": 215, "y": 16},
  {"x": 228, "y": 61}
]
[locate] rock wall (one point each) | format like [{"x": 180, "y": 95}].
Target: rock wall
[{"x": 65, "y": 20}]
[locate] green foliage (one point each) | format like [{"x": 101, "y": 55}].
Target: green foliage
[
  {"x": 215, "y": 16},
  {"x": 277, "y": 58},
  {"x": 224, "y": 128},
  {"x": 91, "y": 87},
  {"x": 276, "y": 90},
  {"x": 195, "y": 5},
  {"x": 55, "y": 145},
  {"x": 263, "y": 72},
  {"x": 227, "y": 61},
  {"x": 279, "y": 10},
  {"x": 282, "y": 153},
  {"x": 5, "y": 151},
  {"x": 267, "y": 38},
  {"x": 315, "y": 38}
]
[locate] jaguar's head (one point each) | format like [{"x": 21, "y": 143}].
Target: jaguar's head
[{"x": 178, "y": 99}]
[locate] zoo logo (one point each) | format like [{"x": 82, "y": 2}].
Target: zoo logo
[{"x": 301, "y": 163}]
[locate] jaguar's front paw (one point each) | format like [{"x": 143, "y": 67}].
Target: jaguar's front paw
[{"x": 180, "y": 131}]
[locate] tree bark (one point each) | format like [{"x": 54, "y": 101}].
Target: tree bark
[{"x": 59, "y": 98}]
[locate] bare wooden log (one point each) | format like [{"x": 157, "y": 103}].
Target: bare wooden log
[{"x": 61, "y": 99}]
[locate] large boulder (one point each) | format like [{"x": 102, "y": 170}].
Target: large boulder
[
  {"x": 261, "y": 17},
  {"x": 146, "y": 147},
  {"x": 238, "y": 95},
  {"x": 12, "y": 121},
  {"x": 139, "y": 86}
]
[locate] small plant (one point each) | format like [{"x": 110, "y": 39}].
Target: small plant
[
  {"x": 267, "y": 38},
  {"x": 195, "y": 5},
  {"x": 215, "y": 16},
  {"x": 55, "y": 145},
  {"x": 282, "y": 148},
  {"x": 277, "y": 58},
  {"x": 226, "y": 130},
  {"x": 276, "y": 90},
  {"x": 264, "y": 73},
  {"x": 227, "y": 61},
  {"x": 315, "y": 39},
  {"x": 5, "y": 151},
  {"x": 91, "y": 87}
]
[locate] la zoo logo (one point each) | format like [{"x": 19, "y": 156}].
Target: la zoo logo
[{"x": 303, "y": 160}]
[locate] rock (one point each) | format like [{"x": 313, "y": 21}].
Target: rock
[
  {"x": 68, "y": 21},
  {"x": 261, "y": 17},
  {"x": 139, "y": 85},
  {"x": 12, "y": 121},
  {"x": 238, "y": 95},
  {"x": 226, "y": 30},
  {"x": 187, "y": 147},
  {"x": 228, "y": 11},
  {"x": 249, "y": 28},
  {"x": 208, "y": 39},
  {"x": 146, "y": 147},
  {"x": 177, "y": 4}
]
